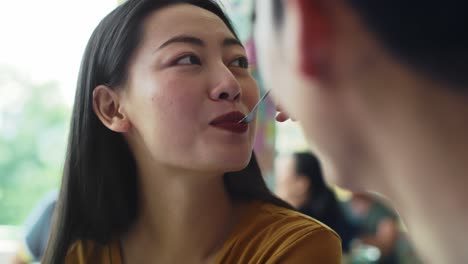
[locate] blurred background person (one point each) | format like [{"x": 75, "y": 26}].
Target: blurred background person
[
  {"x": 300, "y": 182},
  {"x": 378, "y": 225},
  {"x": 371, "y": 232},
  {"x": 36, "y": 231}
]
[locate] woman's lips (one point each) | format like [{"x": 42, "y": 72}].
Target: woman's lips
[
  {"x": 233, "y": 127},
  {"x": 230, "y": 122}
]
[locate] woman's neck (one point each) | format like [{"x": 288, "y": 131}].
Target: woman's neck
[{"x": 179, "y": 213}]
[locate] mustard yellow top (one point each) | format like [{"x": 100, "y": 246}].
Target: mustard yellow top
[{"x": 265, "y": 234}]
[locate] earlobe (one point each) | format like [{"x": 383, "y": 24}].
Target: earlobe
[
  {"x": 314, "y": 37},
  {"x": 106, "y": 106}
]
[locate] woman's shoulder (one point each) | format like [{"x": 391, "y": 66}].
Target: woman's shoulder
[
  {"x": 271, "y": 232},
  {"x": 284, "y": 221},
  {"x": 89, "y": 251}
]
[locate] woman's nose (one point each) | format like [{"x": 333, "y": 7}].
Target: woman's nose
[{"x": 227, "y": 87}]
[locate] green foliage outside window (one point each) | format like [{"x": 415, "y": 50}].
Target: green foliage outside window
[{"x": 33, "y": 126}]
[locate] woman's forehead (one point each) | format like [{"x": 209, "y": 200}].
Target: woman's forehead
[{"x": 184, "y": 19}]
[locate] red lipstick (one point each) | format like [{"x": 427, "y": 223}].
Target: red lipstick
[{"x": 230, "y": 122}]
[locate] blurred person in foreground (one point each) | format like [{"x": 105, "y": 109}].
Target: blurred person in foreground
[
  {"x": 158, "y": 167},
  {"x": 300, "y": 182},
  {"x": 380, "y": 89}
]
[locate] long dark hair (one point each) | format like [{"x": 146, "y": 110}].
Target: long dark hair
[
  {"x": 99, "y": 197},
  {"x": 321, "y": 202}
]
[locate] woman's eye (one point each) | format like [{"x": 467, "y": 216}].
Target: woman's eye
[
  {"x": 188, "y": 60},
  {"x": 241, "y": 62}
]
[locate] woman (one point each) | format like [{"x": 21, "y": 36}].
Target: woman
[
  {"x": 301, "y": 183},
  {"x": 158, "y": 169}
]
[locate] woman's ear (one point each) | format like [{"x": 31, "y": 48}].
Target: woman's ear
[
  {"x": 106, "y": 105},
  {"x": 314, "y": 35}
]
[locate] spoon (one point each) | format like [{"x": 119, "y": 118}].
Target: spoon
[{"x": 250, "y": 116}]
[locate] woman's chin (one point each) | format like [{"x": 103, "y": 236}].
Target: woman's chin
[
  {"x": 236, "y": 166},
  {"x": 227, "y": 161},
  {"x": 233, "y": 164}
]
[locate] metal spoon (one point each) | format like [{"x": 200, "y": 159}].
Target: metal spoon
[{"x": 250, "y": 116}]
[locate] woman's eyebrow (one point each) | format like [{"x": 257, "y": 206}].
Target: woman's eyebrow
[
  {"x": 232, "y": 42},
  {"x": 183, "y": 39},
  {"x": 197, "y": 41}
]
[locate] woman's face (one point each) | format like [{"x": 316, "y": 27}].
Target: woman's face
[
  {"x": 290, "y": 186},
  {"x": 187, "y": 72}
]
